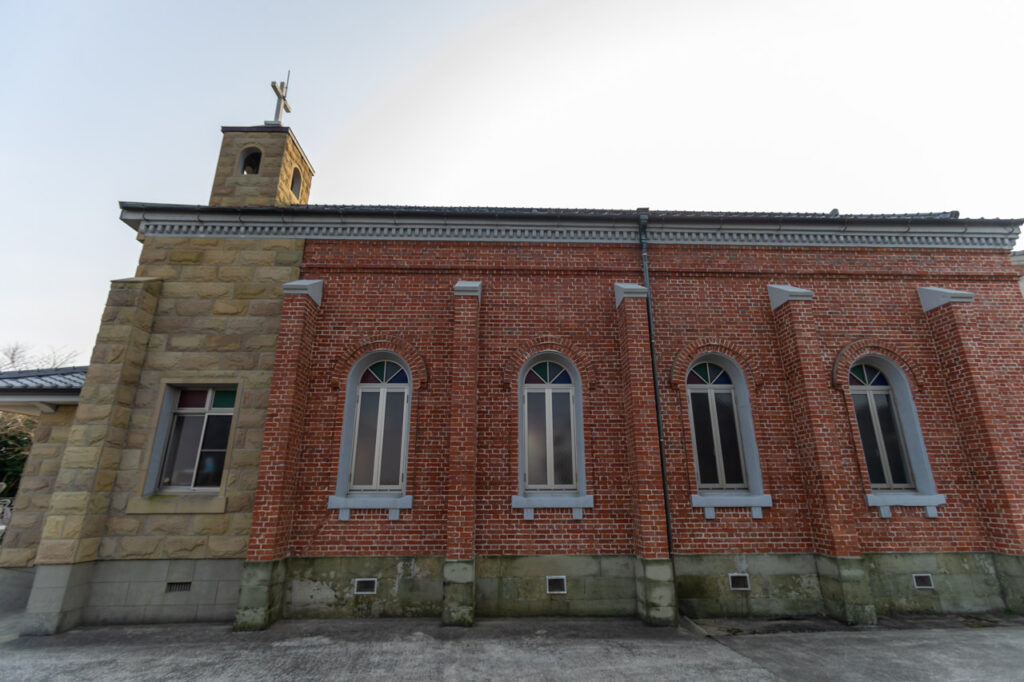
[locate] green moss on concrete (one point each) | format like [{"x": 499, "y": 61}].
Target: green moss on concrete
[
  {"x": 517, "y": 586},
  {"x": 261, "y": 595},
  {"x": 780, "y": 584},
  {"x": 323, "y": 587}
]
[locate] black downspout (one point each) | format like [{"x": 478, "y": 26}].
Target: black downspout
[{"x": 642, "y": 215}]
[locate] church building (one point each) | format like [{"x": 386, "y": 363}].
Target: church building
[{"x": 298, "y": 410}]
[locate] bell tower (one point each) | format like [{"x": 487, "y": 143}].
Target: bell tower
[{"x": 262, "y": 165}]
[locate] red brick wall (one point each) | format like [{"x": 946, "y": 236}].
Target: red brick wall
[{"x": 398, "y": 295}]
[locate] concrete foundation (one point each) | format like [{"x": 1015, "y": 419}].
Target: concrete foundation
[
  {"x": 459, "y": 592},
  {"x": 114, "y": 592}
]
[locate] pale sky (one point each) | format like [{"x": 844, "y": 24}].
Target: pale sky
[{"x": 800, "y": 105}]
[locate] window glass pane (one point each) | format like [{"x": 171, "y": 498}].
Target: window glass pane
[
  {"x": 706, "y": 466},
  {"x": 867, "y": 438},
  {"x": 368, "y": 378},
  {"x": 391, "y": 448},
  {"x": 857, "y": 375},
  {"x": 561, "y": 428},
  {"x": 400, "y": 377},
  {"x": 377, "y": 369},
  {"x": 211, "y": 466},
  {"x": 722, "y": 378},
  {"x": 728, "y": 438},
  {"x": 562, "y": 378},
  {"x": 192, "y": 398},
  {"x": 366, "y": 439},
  {"x": 224, "y": 399},
  {"x": 694, "y": 378},
  {"x": 541, "y": 368},
  {"x": 536, "y": 440},
  {"x": 533, "y": 378},
  {"x": 880, "y": 380},
  {"x": 891, "y": 437},
  {"x": 702, "y": 371},
  {"x": 182, "y": 450},
  {"x": 218, "y": 428}
]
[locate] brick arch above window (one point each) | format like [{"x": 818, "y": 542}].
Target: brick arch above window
[
  {"x": 856, "y": 350},
  {"x": 686, "y": 356},
  {"x": 514, "y": 362},
  {"x": 352, "y": 352}
]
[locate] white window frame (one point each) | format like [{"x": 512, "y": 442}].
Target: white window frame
[
  {"x": 751, "y": 495},
  {"x": 382, "y": 390},
  {"x": 550, "y": 496},
  {"x": 165, "y": 425},
  {"x": 708, "y": 392},
  {"x": 548, "y": 390},
  {"x": 347, "y": 495},
  {"x": 870, "y": 392},
  {"x": 924, "y": 493}
]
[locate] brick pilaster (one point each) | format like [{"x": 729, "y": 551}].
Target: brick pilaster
[
  {"x": 970, "y": 347},
  {"x": 286, "y": 415},
  {"x": 460, "y": 518},
  {"x": 831, "y": 481},
  {"x": 641, "y": 423},
  {"x": 655, "y": 583}
]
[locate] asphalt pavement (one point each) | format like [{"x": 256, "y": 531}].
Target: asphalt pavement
[{"x": 522, "y": 649}]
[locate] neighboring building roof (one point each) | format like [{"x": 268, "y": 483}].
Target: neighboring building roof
[
  {"x": 479, "y": 223},
  {"x": 58, "y": 378},
  {"x": 36, "y": 391}
]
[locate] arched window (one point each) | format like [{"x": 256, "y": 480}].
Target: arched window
[
  {"x": 722, "y": 434},
  {"x": 880, "y": 433},
  {"x": 890, "y": 436},
  {"x": 716, "y": 435},
  {"x": 550, "y": 447},
  {"x": 296, "y": 183},
  {"x": 551, "y": 462},
  {"x": 382, "y": 412},
  {"x": 375, "y": 436},
  {"x": 249, "y": 161}
]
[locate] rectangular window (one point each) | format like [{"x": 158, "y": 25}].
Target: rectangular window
[{"x": 200, "y": 426}]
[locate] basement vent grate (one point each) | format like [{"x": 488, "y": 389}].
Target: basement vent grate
[
  {"x": 739, "y": 581},
  {"x": 365, "y": 586},
  {"x": 923, "y": 581},
  {"x": 178, "y": 587},
  {"x": 556, "y": 584}
]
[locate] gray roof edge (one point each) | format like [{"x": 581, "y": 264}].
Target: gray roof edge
[
  {"x": 132, "y": 213},
  {"x": 52, "y": 371}
]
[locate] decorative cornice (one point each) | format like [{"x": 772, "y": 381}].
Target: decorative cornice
[
  {"x": 628, "y": 290},
  {"x": 170, "y": 221},
  {"x": 314, "y": 288},
  {"x": 778, "y": 294},
  {"x": 934, "y": 297},
  {"x": 466, "y": 288}
]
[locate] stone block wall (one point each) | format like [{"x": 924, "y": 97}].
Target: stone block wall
[
  {"x": 216, "y": 321},
  {"x": 37, "y": 480}
]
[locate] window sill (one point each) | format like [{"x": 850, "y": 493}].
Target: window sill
[
  {"x": 714, "y": 500},
  {"x": 531, "y": 501},
  {"x": 178, "y": 503},
  {"x": 393, "y": 503},
  {"x": 884, "y": 502}
]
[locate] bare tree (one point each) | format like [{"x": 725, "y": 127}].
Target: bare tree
[{"x": 17, "y": 356}]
